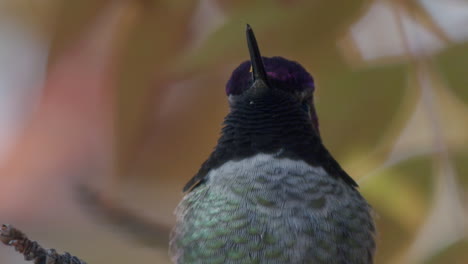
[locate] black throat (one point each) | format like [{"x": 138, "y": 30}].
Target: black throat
[{"x": 273, "y": 124}]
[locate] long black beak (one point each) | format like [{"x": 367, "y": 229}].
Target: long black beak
[{"x": 258, "y": 69}]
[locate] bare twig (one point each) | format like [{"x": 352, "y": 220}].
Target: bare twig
[{"x": 32, "y": 251}]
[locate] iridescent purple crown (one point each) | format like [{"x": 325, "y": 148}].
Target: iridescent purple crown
[{"x": 283, "y": 74}]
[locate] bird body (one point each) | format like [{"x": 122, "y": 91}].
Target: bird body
[
  {"x": 268, "y": 209},
  {"x": 270, "y": 192}
]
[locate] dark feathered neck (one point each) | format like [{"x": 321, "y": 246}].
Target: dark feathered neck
[{"x": 269, "y": 124}]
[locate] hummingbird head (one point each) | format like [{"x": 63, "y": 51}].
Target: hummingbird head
[
  {"x": 272, "y": 112},
  {"x": 262, "y": 75}
]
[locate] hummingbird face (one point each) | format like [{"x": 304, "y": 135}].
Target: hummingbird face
[{"x": 271, "y": 74}]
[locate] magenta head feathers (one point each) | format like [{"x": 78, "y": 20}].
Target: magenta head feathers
[{"x": 281, "y": 73}]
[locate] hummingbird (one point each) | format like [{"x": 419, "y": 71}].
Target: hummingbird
[{"x": 270, "y": 192}]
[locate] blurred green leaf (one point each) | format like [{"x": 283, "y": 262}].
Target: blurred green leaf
[
  {"x": 452, "y": 63},
  {"x": 299, "y": 31},
  {"x": 461, "y": 166},
  {"x": 401, "y": 197},
  {"x": 356, "y": 108},
  {"x": 454, "y": 254}
]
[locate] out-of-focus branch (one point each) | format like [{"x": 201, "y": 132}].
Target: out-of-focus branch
[
  {"x": 32, "y": 251},
  {"x": 143, "y": 229}
]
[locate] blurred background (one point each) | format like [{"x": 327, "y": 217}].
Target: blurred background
[{"x": 128, "y": 97}]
